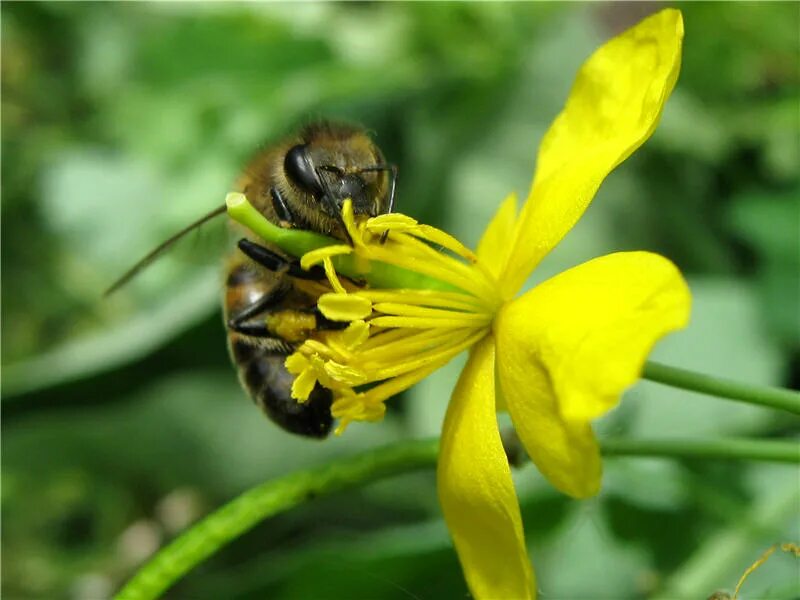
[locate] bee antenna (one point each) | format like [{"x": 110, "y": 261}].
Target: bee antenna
[{"x": 156, "y": 252}]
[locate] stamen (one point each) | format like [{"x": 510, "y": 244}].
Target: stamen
[
  {"x": 350, "y": 223},
  {"x": 424, "y": 297},
  {"x": 312, "y": 346},
  {"x": 314, "y": 257},
  {"x": 445, "y": 240},
  {"x": 392, "y": 222},
  {"x": 423, "y": 323},
  {"x": 428, "y": 357},
  {"x": 303, "y": 385},
  {"x": 398, "y": 336},
  {"x": 385, "y": 336},
  {"x": 344, "y": 307},
  {"x": 443, "y": 268},
  {"x": 356, "y": 334},
  {"x": 346, "y": 375},
  {"x": 410, "y": 310},
  {"x": 384, "y": 391},
  {"x": 419, "y": 340},
  {"x": 402, "y": 223},
  {"x": 333, "y": 278},
  {"x": 483, "y": 276}
]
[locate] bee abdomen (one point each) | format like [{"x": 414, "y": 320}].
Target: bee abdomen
[{"x": 269, "y": 384}]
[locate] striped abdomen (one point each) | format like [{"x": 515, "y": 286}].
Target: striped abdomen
[{"x": 260, "y": 360}]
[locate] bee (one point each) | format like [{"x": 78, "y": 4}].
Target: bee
[{"x": 269, "y": 303}]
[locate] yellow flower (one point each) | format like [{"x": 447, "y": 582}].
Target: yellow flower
[{"x": 562, "y": 353}]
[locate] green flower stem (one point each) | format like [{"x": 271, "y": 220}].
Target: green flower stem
[
  {"x": 298, "y": 242},
  {"x": 725, "y": 448},
  {"x": 706, "y": 384},
  {"x": 277, "y": 496},
  {"x": 268, "y": 499}
]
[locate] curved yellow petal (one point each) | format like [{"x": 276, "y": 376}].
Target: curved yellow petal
[
  {"x": 614, "y": 106},
  {"x": 494, "y": 247},
  {"x": 569, "y": 347},
  {"x": 476, "y": 491}
]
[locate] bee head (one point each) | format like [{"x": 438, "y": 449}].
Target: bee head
[{"x": 331, "y": 174}]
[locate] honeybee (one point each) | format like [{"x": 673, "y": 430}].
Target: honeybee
[{"x": 269, "y": 304}]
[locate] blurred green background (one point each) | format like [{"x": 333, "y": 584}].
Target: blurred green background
[{"x": 122, "y": 419}]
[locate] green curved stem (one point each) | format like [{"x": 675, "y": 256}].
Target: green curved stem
[
  {"x": 725, "y": 448},
  {"x": 269, "y": 499},
  {"x": 772, "y": 397},
  {"x": 277, "y": 496}
]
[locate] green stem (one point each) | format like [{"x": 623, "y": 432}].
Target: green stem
[
  {"x": 726, "y": 448},
  {"x": 268, "y": 499},
  {"x": 277, "y": 496},
  {"x": 783, "y": 399}
]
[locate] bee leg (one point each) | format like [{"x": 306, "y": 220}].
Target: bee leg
[
  {"x": 258, "y": 328},
  {"x": 281, "y": 207},
  {"x": 324, "y": 323},
  {"x": 392, "y": 186},
  {"x": 330, "y": 203},
  {"x": 275, "y": 262}
]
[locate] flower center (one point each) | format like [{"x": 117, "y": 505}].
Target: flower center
[{"x": 395, "y": 337}]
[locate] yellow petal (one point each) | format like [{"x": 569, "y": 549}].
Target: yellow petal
[
  {"x": 344, "y": 307},
  {"x": 476, "y": 491},
  {"x": 495, "y": 244},
  {"x": 614, "y": 106},
  {"x": 569, "y": 347}
]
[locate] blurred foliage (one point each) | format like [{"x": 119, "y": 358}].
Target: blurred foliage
[{"x": 123, "y": 421}]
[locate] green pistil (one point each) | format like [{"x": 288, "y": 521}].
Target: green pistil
[{"x": 297, "y": 242}]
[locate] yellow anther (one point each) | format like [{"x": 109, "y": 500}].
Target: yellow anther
[
  {"x": 356, "y": 334},
  {"x": 303, "y": 385},
  {"x": 296, "y": 363},
  {"x": 348, "y": 376},
  {"x": 390, "y": 222},
  {"x": 344, "y": 307},
  {"x": 312, "y": 348}
]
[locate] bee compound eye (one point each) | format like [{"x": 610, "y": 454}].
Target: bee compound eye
[{"x": 298, "y": 167}]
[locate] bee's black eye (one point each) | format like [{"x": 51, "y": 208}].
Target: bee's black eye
[{"x": 299, "y": 169}]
